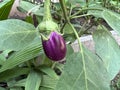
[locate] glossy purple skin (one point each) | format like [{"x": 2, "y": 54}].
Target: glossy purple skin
[{"x": 55, "y": 47}]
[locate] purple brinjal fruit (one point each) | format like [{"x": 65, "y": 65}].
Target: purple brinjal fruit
[{"x": 54, "y": 47}]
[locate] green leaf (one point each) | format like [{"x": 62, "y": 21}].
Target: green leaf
[
  {"x": 113, "y": 19},
  {"x": 16, "y": 88},
  {"x": 15, "y": 34},
  {"x": 6, "y": 52},
  {"x": 89, "y": 74},
  {"x": 27, "y": 53},
  {"x": 33, "y": 81},
  {"x": 96, "y": 10},
  {"x": 1, "y": 88},
  {"x": 108, "y": 49},
  {"x": 26, "y": 6},
  {"x": 75, "y": 2},
  {"x": 44, "y": 88},
  {"x": 3, "y": 56},
  {"x": 31, "y": 8},
  {"x": 69, "y": 50},
  {"x": 67, "y": 29},
  {"x": 11, "y": 73},
  {"x": 5, "y": 7},
  {"x": 29, "y": 19},
  {"x": 20, "y": 83},
  {"x": 50, "y": 72},
  {"x": 48, "y": 83},
  {"x": 68, "y": 33},
  {"x": 4, "y": 2}
]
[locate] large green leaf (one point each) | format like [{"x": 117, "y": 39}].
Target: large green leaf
[
  {"x": 83, "y": 71},
  {"x": 5, "y": 7},
  {"x": 15, "y": 34},
  {"x": 113, "y": 19},
  {"x": 29, "y": 52},
  {"x": 108, "y": 49},
  {"x": 33, "y": 81}
]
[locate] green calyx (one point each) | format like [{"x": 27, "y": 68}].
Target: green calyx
[
  {"x": 43, "y": 37},
  {"x": 47, "y": 25}
]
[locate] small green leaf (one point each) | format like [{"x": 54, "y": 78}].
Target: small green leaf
[
  {"x": 16, "y": 34},
  {"x": 33, "y": 81},
  {"x": 50, "y": 72},
  {"x": 48, "y": 83},
  {"x": 3, "y": 56},
  {"x": 68, "y": 33},
  {"x": 67, "y": 29},
  {"x": 29, "y": 19},
  {"x": 6, "y": 52},
  {"x": 20, "y": 83}
]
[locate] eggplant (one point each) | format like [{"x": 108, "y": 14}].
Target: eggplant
[{"x": 55, "y": 46}]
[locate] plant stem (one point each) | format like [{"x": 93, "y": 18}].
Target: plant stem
[
  {"x": 79, "y": 16},
  {"x": 84, "y": 10},
  {"x": 82, "y": 53},
  {"x": 47, "y": 14},
  {"x": 62, "y": 3},
  {"x": 77, "y": 36}
]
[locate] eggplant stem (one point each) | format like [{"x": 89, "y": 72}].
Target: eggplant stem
[{"x": 47, "y": 13}]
